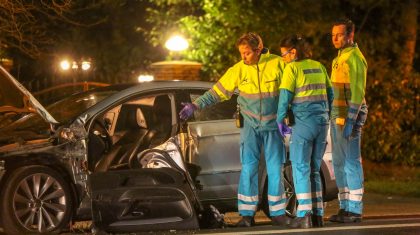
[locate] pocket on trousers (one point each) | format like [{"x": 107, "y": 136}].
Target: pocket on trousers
[{"x": 299, "y": 151}]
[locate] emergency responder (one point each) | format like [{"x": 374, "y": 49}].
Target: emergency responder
[
  {"x": 257, "y": 77},
  {"x": 348, "y": 115},
  {"x": 307, "y": 88}
]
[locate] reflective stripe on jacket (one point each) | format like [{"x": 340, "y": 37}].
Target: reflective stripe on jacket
[
  {"x": 348, "y": 76},
  {"x": 258, "y": 87},
  {"x": 311, "y": 87}
]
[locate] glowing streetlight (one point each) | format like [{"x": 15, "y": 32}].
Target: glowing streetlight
[
  {"x": 75, "y": 66},
  {"x": 176, "y": 43},
  {"x": 65, "y": 65},
  {"x": 145, "y": 78},
  {"x": 85, "y": 65},
  {"x": 76, "y": 69}
]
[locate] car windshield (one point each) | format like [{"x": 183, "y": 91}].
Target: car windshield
[
  {"x": 68, "y": 109},
  {"x": 65, "y": 110}
]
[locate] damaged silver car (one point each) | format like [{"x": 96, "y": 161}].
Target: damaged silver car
[{"x": 120, "y": 155}]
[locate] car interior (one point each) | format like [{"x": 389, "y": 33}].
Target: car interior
[
  {"x": 116, "y": 138},
  {"x": 118, "y": 135}
]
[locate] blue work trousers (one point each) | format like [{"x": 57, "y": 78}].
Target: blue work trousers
[
  {"x": 307, "y": 147},
  {"x": 253, "y": 141},
  {"x": 347, "y": 162}
]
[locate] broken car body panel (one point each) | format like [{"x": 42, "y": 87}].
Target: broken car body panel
[
  {"x": 14, "y": 98},
  {"x": 157, "y": 194}
]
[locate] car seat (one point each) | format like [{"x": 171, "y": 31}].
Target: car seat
[
  {"x": 162, "y": 119},
  {"x": 136, "y": 137}
]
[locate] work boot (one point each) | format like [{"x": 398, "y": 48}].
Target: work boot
[
  {"x": 246, "y": 221},
  {"x": 338, "y": 217},
  {"x": 317, "y": 221},
  {"x": 280, "y": 220},
  {"x": 351, "y": 217},
  {"x": 302, "y": 222}
]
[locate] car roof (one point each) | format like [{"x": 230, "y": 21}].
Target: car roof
[
  {"x": 127, "y": 90},
  {"x": 169, "y": 84},
  {"x": 156, "y": 85}
]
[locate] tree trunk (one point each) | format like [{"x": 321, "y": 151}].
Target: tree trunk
[{"x": 409, "y": 35}]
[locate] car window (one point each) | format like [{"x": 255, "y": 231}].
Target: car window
[
  {"x": 133, "y": 114},
  {"x": 147, "y": 112},
  {"x": 68, "y": 109},
  {"x": 220, "y": 111}
]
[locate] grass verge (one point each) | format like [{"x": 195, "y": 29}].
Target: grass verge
[{"x": 389, "y": 179}]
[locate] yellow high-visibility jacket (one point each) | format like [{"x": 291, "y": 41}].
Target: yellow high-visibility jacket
[
  {"x": 348, "y": 76},
  {"x": 258, "y": 87},
  {"x": 308, "y": 89}
]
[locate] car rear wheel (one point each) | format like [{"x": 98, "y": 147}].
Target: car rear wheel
[
  {"x": 291, "y": 202},
  {"x": 36, "y": 199},
  {"x": 289, "y": 190}
]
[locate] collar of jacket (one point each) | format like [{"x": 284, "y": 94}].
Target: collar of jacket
[
  {"x": 265, "y": 55},
  {"x": 347, "y": 49}
]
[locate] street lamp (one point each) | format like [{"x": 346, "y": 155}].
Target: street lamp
[
  {"x": 145, "y": 78},
  {"x": 86, "y": 65},
  {"x": 176, "y": 43},
  {"x": 76, "y": 69},
  {"x": 75, "y": 65},
  {"x": 174, "y": 68},
  {"x": 65, "y": 65}
]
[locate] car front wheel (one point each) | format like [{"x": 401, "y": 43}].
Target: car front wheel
[{"x": 36, "y": 199}]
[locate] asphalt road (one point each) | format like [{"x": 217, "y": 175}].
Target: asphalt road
[
  {"x": 397, "y": 226},
  {"x": 388, "y": 226},
  {"x": 382, "y": 215}
]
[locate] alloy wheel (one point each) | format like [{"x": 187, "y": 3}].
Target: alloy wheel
[{"x": 39, "y": 202}]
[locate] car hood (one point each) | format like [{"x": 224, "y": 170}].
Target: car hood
[{"x": 15, "y": 100}]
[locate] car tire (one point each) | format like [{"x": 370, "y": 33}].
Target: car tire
[
  {"x": 289, "y": 189},
  {"x": 36, "y": 199}
]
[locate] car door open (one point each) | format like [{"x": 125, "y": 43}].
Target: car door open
[{"x": 142, "y": 199}]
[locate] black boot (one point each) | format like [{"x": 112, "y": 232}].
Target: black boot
[
  {"x": 338, "y": 217},
  {"x": 246, "y": 221},
  {"x": 317, "y": 221},
  {"x": 280, "y": 220},
  {"x": 302, "y": 222},
  {"x": 351, "y": 217}
]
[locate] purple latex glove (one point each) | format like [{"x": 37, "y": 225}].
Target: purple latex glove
[
  {"x": 284, "y": 129},
  {"x": 187, "y": 111}
]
